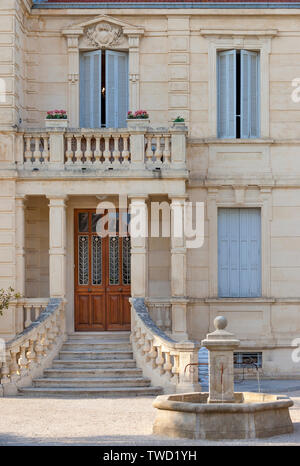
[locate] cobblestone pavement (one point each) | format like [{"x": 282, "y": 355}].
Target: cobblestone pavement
[{"x": 113, "y": 421}]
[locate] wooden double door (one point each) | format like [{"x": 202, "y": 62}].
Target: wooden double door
[{"x": 102, "y": 274}]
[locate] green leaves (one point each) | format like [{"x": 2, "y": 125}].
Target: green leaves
[{"x": 6, "y": 296}]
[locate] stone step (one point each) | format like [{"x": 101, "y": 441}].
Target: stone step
[
  {"x": 92, "y": 372},
  {"x": 87, "y": 382},
  {"x": 94, "y": 363},
  {"x": 110, "y": 392},
  {"x": 69, "y": 354},
  {"x": 91, "y": 345},
  {"x": 99, "y": 336}
]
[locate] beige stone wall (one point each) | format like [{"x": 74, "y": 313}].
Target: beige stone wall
[
  {"x": 176, "y": 77},
  {"x": 37, "y": 247}
]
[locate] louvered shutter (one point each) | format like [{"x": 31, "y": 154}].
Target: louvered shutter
[
  {"x": 226, "y": 76},
  {"x": 250, "y": 105},
  {"x": 90, "y": 89},
  {"x": 116, "y": 89},
  {"x": 239, "y": 253}
]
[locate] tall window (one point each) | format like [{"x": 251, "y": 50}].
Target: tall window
[
  {"x": 238, "y": 94},
  {"x": 103, "y": 89},
  {"x": 239, "y": 253}
]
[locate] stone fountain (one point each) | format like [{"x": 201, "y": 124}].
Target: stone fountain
[{"x": 222, "y": 413}]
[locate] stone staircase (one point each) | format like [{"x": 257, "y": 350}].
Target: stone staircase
[{"x": 93, "y": 364}]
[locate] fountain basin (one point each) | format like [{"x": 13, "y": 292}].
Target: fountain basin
[{"x": 252, "y": 415}]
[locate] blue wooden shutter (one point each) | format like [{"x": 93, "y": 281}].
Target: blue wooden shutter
[
  {"x": 90, "y": 89},
  {"x": 226, "y": 77},
  {"x": 116, "y": 89},
  {"x": 250, "y": 94},
  {"x": 239, "y": 252}
]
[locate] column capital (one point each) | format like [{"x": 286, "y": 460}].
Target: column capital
[
  {"x": 57, "y": 199},
  {"x": 138, "y": 197},
  {"x": 178, "y": 197},
  {"x": 21, "y": 199}
]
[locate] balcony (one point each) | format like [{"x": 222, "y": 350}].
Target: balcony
[{"x": 96, "y": 151}]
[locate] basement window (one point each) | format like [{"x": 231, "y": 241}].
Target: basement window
[{"x": 247, "y": 359}]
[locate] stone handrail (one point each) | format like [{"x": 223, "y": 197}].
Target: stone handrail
[
  {"x": 164, "y": 361},
  {"x": 102, "y": 149},
  {"x": 29, "y": 353}
]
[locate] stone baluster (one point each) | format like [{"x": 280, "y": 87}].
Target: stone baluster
[
  {"x": 28, "y": 153},
  {"x": 5, "y": 370},
  {"x": 14, "y": 366},
  {"x": 149, "y": 151},
  {"x": 97, "y": 152},
  {"x": 160, "y": 360},
  {"x": 28, "y": 320},
  {"x": 125, "y": 152},
  {"x": 45, "y": 153},
  {"x": 31, "y": 354},
  {"x": 78, "y": 152},
  {"x": 153, "y": 354},
  {"x": 39, "y": 348},
  {"x": 88, "y": 153},
  {"x": 158, "y": 151},
  {"x": 166, "y": 151},
  {"x": 116, "y": 152},
  {"x": 37, "y": 151},
  {"x": 37, "y": 311},
  {"x": 168, "y": 365},
  {"x": 168, "y": 322},
  {"x": 23, "y": 361},
  {"x": 147, "y": 347},
  {"x": 159, "y": 321},
  {"x": 69, "y": 152},
  {"x": 106, "y": 153}
]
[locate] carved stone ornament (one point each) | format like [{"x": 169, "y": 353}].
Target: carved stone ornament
[{"x": 104, "y": 35}]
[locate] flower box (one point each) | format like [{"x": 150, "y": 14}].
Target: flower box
[{"x": 56, "y": 123}]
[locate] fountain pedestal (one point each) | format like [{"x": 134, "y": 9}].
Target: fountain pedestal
[
  {"x": 222, "y": 413},
  {"x": 221, "y": 345}
]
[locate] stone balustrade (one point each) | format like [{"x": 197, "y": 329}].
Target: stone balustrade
[
  {"x": 30, "y": 352},
  {"x": 160, "y": 311},
  {"x": 165, "y": 362},
  {"x": 103, "y": 149},
  {"x": 32, "y": 309}
]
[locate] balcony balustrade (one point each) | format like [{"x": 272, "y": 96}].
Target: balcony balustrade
[{"x": 104, "y": 149}]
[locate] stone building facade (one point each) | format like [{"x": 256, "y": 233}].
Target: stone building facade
[{"x": 231, "y": 71}]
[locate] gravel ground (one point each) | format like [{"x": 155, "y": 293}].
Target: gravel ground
[{"x": 111, "y": 421}]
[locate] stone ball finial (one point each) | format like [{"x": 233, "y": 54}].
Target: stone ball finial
[{"x": 220, "y": 323}]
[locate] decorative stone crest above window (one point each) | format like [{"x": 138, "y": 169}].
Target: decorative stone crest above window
[{"x": 105, "y": 35}]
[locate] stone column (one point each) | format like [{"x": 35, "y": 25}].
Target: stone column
[
  {"x": 20, "y": 257},
  {"x": 57, "y": 245},
  {"x": 221, "y": 345},
  {"x": 178, "y": 269},
  {"x": 134, "y": 68},
  {"x": 139, "y": 245}
]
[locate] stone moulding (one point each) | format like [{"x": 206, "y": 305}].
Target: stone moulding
[{"x": 252, "y": 415}]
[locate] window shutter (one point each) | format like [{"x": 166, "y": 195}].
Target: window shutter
[
  {"x": 116, "y": 89},
  {"x": 239, "y": 253},
  {"x": 226, "y": 72},
  {"x": 250, "y": 252},
  {"x": 228, "y": 252},
  {"x": 250, "y": 105},
  {"x": 90, "y": 89}
]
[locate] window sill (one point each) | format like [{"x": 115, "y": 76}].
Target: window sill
[
  {"x": 239, "y": 300},
  {"x": 238, "y": 141}
]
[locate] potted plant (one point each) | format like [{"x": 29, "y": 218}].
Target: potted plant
[
  {"x": 138, "y": 119},
  {"x": 56, "y": 119},
  {"x": 6, "y": 296},
  {"x": 178, "y": 122}
]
